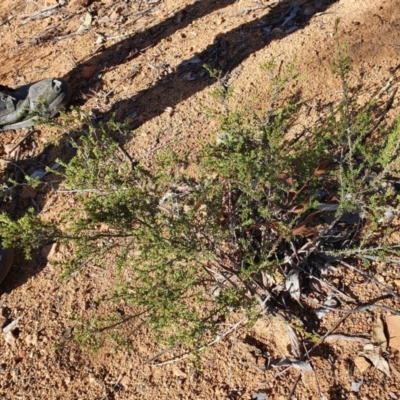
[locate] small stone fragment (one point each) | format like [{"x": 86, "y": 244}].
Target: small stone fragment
[
  {"x": 362, "y": 364},
  {"x": 92, "y": 379},
  {"x": 31, "y": 340},
  {"x": 125, "y": 381},
  {"x": 49, "y": 251}
]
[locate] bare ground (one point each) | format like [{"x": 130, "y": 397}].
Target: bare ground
[{"x": 133, "y": 61}]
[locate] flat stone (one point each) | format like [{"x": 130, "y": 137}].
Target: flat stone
[{"x": 362, "y": 364}]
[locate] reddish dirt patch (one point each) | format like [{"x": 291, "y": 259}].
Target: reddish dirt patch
[{"x": 133, "y": 60}]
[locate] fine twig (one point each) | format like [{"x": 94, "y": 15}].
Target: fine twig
[
  {"x": 376, "y": 258},
  {"x": 159, "y": 354},
  {"x": 41, "y": 14},
  {"x": 7, "y": 20},
  {"x": 29, "y": 133},
  {"x": 294, "y": 386},
  {"x": 217, "y": 340}
]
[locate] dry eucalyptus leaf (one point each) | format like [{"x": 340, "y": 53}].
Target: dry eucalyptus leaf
[
  {"x": 11, "y": 326},
  {"x": 294, "y": 341},
  {"x": 331, "y": 302},
  {"x": 393, "y": 325},
  {"x": 378, "y": 335},
  {"x": 259, "y": 396},
  {"x": 292, "y": 284},
  {"x": 86, "y": 24},
  {"x": 356, "y": 385},
  {"x": 374, "y": 354},
  {"x": 288, "y": 361}
]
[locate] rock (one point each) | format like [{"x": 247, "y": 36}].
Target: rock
[
  {"x": 362, "y": 364},
  {"x": 92, "y": 379},
  {"x": 49, "y": 251},
  {"x": 125, "y": 381}
]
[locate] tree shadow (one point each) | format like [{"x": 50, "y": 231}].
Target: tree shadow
[{"x": 226, "y": 53}]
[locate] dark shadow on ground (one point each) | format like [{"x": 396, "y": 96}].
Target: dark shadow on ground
[
  {"x": 22, "y": 270},
  {"x": 128, "y": 48},
  {"x": 226, "y": 53}
]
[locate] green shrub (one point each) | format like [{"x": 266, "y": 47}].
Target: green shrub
[{"x": 189, "y": 250}]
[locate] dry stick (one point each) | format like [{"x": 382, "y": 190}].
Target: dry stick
[
  {"x": 332, "y": 288},
  {"x": 294, "y": 386},
  {"x": 7, "y": 20},
  {"x": 29, "y": 133},
  {"x": 316, "y": 377},
  {"x": 128, "y": 159},
  {"x": 159, "y": 354},
  {"x": 154, "y": 149},
  {"x": 41, "y": 14},
  {"x": 139, "y": 13},
  {"x": 229, "y": 331},
  {"x": 314, "y": 242},
  {"x": 364, "y": 308}
]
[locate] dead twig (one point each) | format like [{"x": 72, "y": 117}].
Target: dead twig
[
  {"x": 294, "y": 387},
  {"x": 159, "y": 354},
  {"x": 375, "y": 258},
  {"x": 41, "y": 14},
  {"x": 7, "y": 20},
  {"x": 29, "y": 133},
  {"x": 217, "y": 340},
  {"x": 347, "y": 338}
]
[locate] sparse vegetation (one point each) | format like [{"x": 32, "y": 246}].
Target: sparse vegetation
[{"x": 191, "y": 249}]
